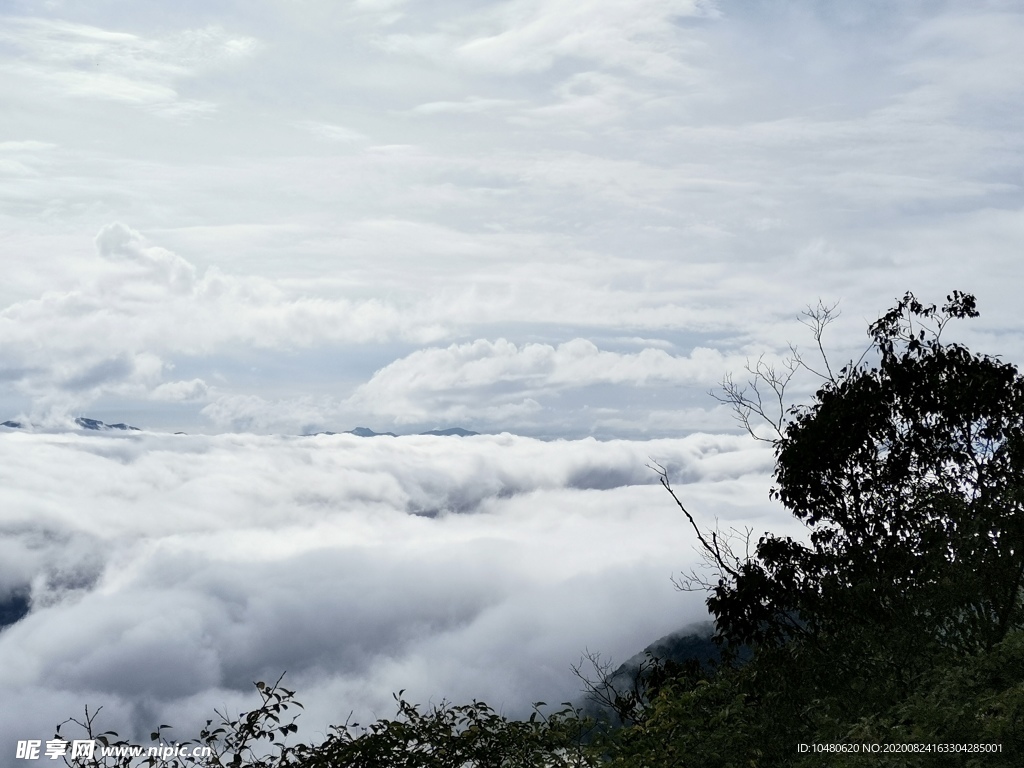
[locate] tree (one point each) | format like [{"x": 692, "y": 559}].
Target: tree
[
  {"x": 907, "y": 467},
  {"x": 459, "y": 736},
  {"x": 909, "y": 471}
]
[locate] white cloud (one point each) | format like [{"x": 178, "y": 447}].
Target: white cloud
[
  {"x": 117, "y": 242},
  {"x": 586, "y": 98},
  {"x": 527, "y": 35},
  {"x": 545, "y": 389},
  {"x": 329, "y": 131},
  {"x": 426, "y": 381},
  {"x": 469, "y": 105},
  {"x": 113, "y": 334},
  {"x": 181, "y": 391},
  {"x": 85, "y": 61},
  {"x": 962, "y": 58}
]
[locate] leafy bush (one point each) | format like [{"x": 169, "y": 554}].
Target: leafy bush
[{"x": 442, "y": 736}]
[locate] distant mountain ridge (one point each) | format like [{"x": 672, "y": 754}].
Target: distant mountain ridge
[
  {"x": 694, "y": 642},
  {"x": 96, "y": 425},
  {"x": 367, "y": 432},
  {"x": 451, "y": 432},
  {"x": 92, "y": 424}
]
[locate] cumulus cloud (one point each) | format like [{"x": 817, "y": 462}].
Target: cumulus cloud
[
  {"x": 478, "y": 378},
  {"x": 573, "y": 363},
  {"x": 165, "y": 573},
  {"x": 546, "y": 390},
  {"x": 113, "y": 334},
  {"x": 117, "y": 242},
  {"x": 181, "y": 391}
]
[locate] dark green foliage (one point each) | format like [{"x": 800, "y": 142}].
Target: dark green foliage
[
  {"x": 978, "y": 699},
  {"x": 908, "y": 469},
  {"x": 466, "y": 736},
  {"x": 255, "y": 739},
  {"x": 443, "y": 736},
  {"x": 909, "y": 472}
]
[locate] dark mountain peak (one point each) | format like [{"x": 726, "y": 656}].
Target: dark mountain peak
[
  {"x": 98, "y": 425},
  {"x": 12, "y": 424},
  {"x": 366, "y": 432}
]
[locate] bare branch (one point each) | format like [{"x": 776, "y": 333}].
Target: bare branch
[
  {"x": 762, "y": 398},
  {"x": 711, "y": 549},
  {"x": 736, "y": 547},
  {"x": 818, "y": 319},
  {"x": 749, "y": 400},
  {"x": 626, "y": 701}
]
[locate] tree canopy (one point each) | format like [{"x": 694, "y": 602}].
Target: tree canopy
[{"x": 908, "y": 470}]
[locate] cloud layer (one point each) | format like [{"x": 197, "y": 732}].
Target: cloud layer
[{"x": 166, "y": 573}]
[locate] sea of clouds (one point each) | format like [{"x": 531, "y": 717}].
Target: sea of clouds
[
  {"x": 561, "y": 219},
  {"x": 167, "y": 573}
]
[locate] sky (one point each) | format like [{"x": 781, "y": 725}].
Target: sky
[{"x": 556, "y": 223}]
